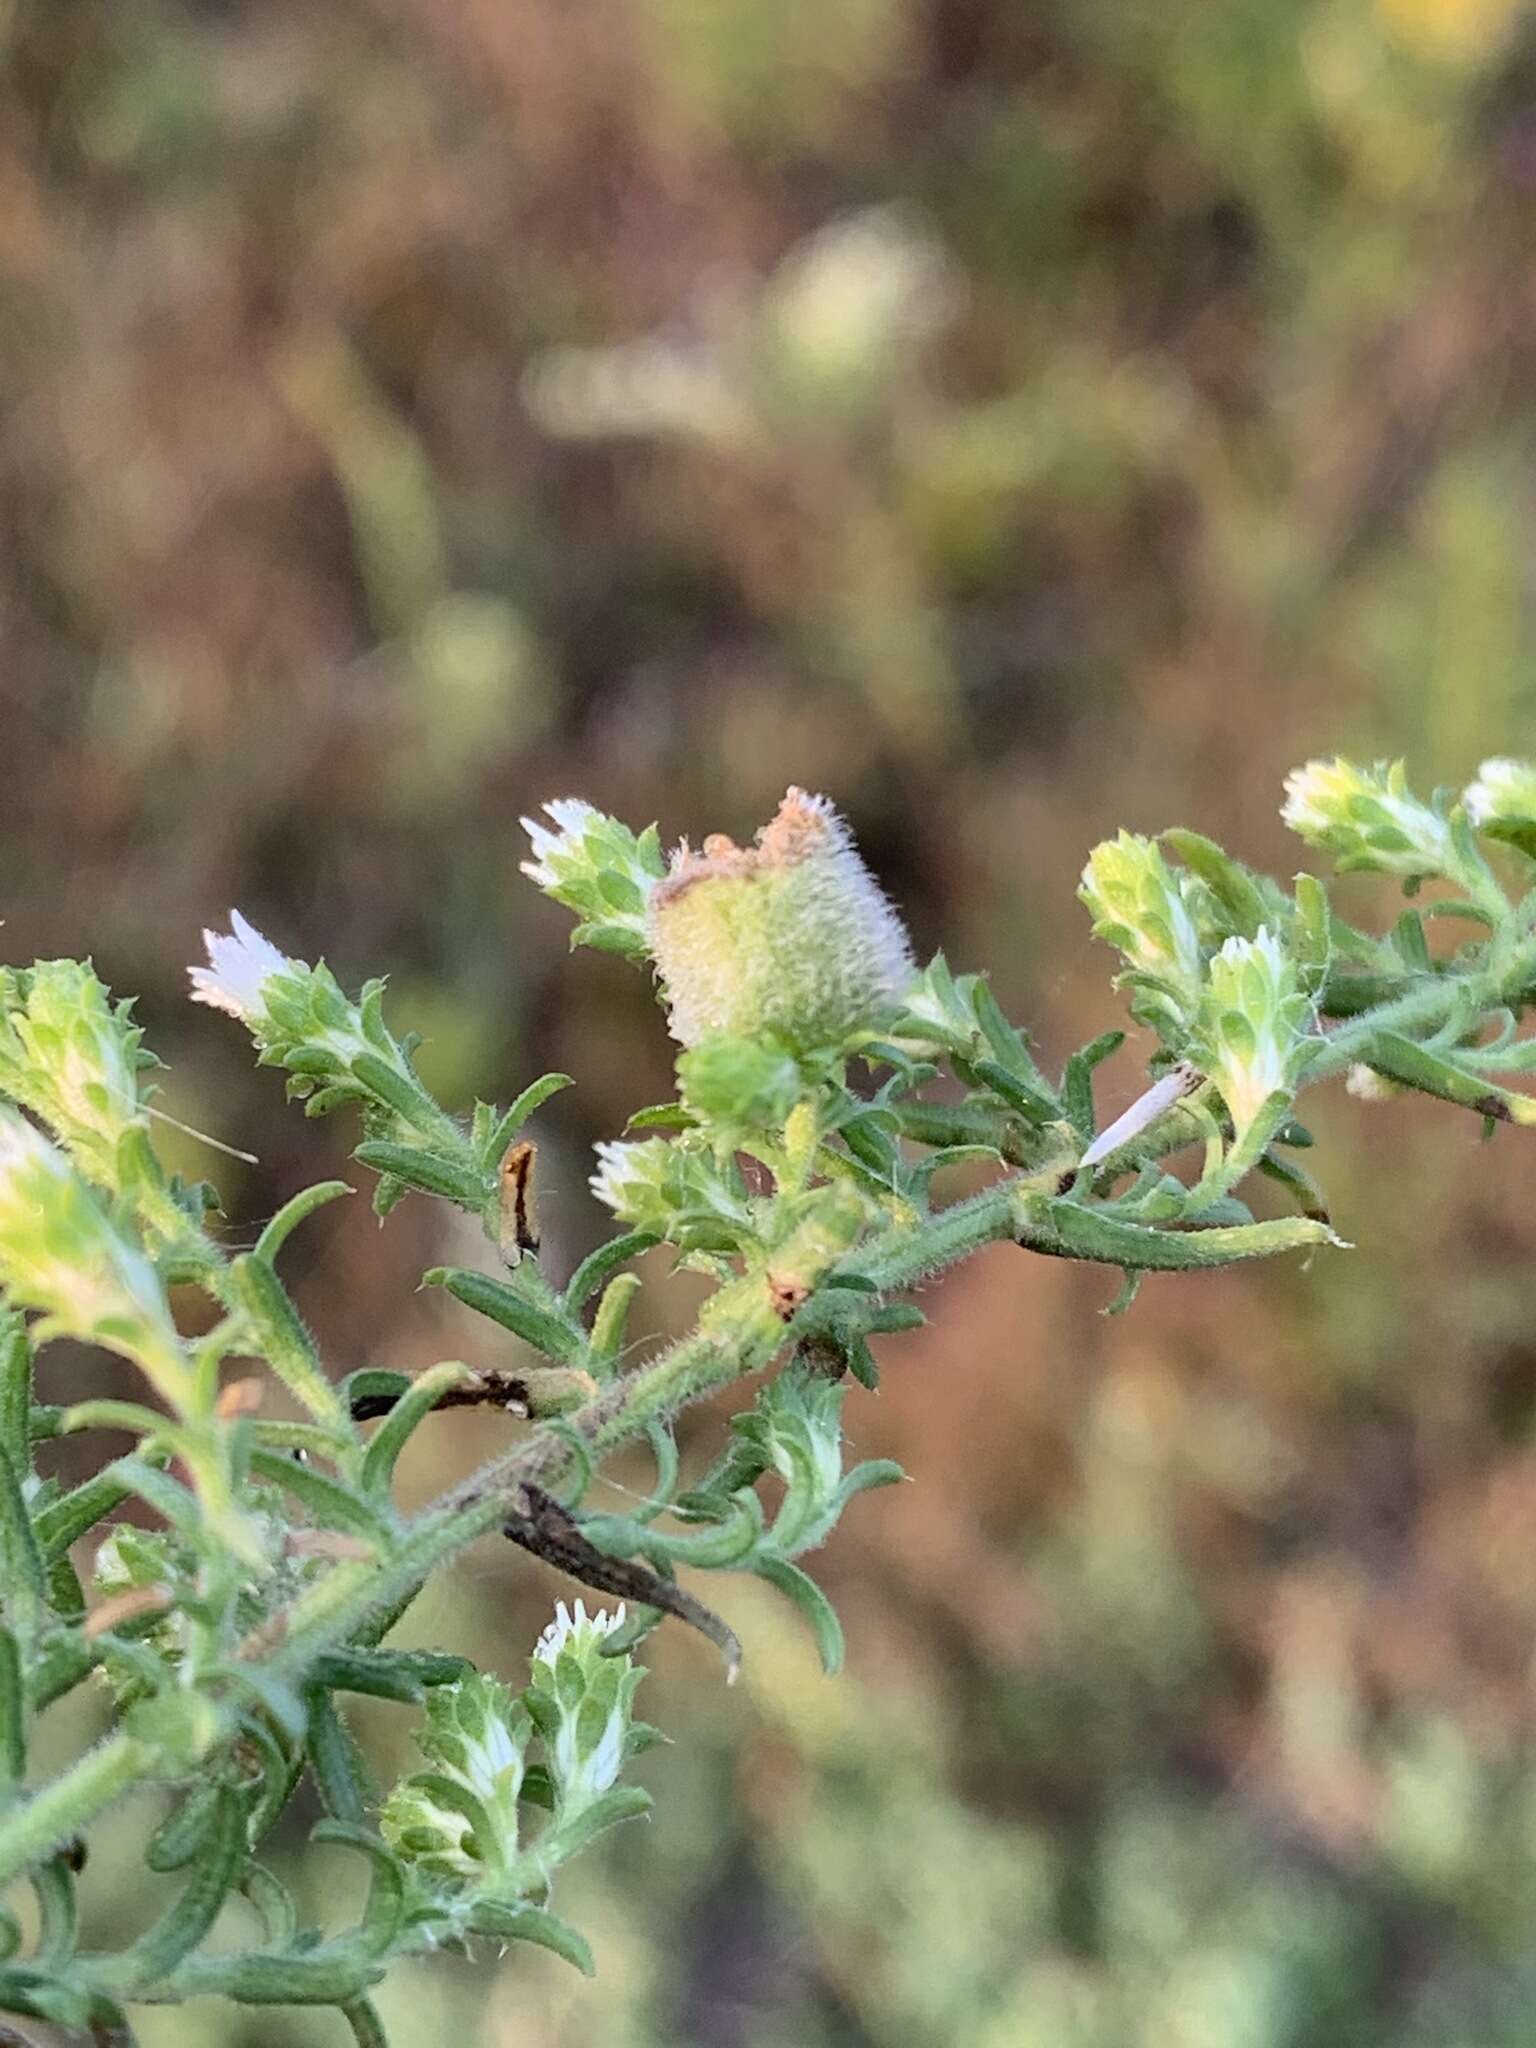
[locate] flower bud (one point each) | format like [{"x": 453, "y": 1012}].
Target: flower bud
[
  {"x": 581, "y": 1703},
  {"x": 598, "y": 868},
  {"x": 460, "y": 1819},
  {"x": 1254, "y": 1024},
  {"x": 240, "y": 965},
  {"x": 1143, "y": 907},
  {"x": 1367, "y": 818},
  {"x": 71, "y": 1056},
  {"x": 676, "y": 1188},
  {"x": 797, "y": 1427},
  {"x": 739, "y": 1084},
  {"x": 60, "y": 1253},
  {"x": 789, "y": 939},
  {"x": 1502, "y": 802}
]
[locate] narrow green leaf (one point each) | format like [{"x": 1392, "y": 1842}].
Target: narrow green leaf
[
  {"x": 395, "y": 1431},
  {"x": 294, "y": 1212},
  {"x": 362, "y": 2016},
  {"x": 1411, "y": 944},
  {"x": 401, "y": 1675},
  {"x": 894, "y": 1317},
  {"x": 330, "y": 1503},
  {"x": 1037, "y": 1108},
  {"x": 1400, "y": 1059},
  {"x": 181, "y": 1835},
  {"x": 63, "y": 1522},
  {"x": 16, "y": 1391},
  {"x": 1071, "y": 1230},
  {"x": 53, "y": 1886},
  {"x": 179, "y": 1930},
  {"x": 532, "y": 1923},
  {"x": 861, "y": 1363},
  {"x": 611, "y": 1321},
  {"x": 533, "y": 1097},
  {"x": 1077, "y": 1082},
  {"x": 398, "y": 1091},
  {"x": 13, "y": 1716},
  {"x": 871, "y": 1473},
  {"x": 336, "y": 1761},
  {"x": 130, "y": 1416},
  {"x": 1235, "y": 887},
  {"x": 385, "y": 1909},
  {"x": 1312, "y": 934},
  {"x": 429, "y": 1172},
  {"x": 513, "y": 1310},
  {"x": 273, "y": 1902},
  {"x": 283, "y": 1340},
  {"x": 624, "y": 1802},
  {"x": 21, "y": 1564},
  {"x": 336, "y": 1973},
  {"x": 662, "y": 1116},
  {"x": 818, "y": 1610},
  {"x": 599, "y": 1266},
  {"x": 176, "y": 1503}
]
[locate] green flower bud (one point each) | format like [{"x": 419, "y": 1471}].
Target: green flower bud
[
  {"x": 1146, "y": 910},
  {"x": 460, "y": 1818},
  {"x": 61, "y": 1254},
  {"x": 787, "y": 940},
  {"x": 1255, "y": 1025},
  {"x": 739, "y": 1083},
  {"x": 797, "y": 1427},
  {"x": 676, "y": 1188},
  {"x": 581, "y": 1703},
  {"x": 1367, "y": 818},
  {"x": 1502, "y": 802},
  {"x": 287, "y": 1006},
  {"x": 426, "y": 1830},
  {"x": 598, "y": 868},
  {"x": 71, "y": 1056}
]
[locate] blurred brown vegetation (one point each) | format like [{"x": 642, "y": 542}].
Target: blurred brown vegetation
[{"x": 1017, "y": 421}]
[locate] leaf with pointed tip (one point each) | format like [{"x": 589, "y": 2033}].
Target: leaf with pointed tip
[
  {"x": 519, "y": 1922},
  {"x": 598, "y": 1267},
  {"x": 293, "y": 1213},
  {"x": 533, "y": 1097},
  {"x": 514, "y": 1311},
  {"x": 818, "y": 1610}
]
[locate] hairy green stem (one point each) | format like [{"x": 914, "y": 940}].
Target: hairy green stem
[{"x": 31, "y": 1832}]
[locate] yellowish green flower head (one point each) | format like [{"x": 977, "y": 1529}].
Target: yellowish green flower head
[
  {"x": 1139, "y": 907},
  {"x": 788, "y": 939},
  {"x": 61, "y": 1254},
  {"x": 72, "y": 1056},
  {"x": 1367, "y": 818},
  {"x": 1255, "y": 1024}
]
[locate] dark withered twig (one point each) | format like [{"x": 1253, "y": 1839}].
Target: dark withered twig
[
  {"x": 551, "y": 1532},
  {"x": 489, "y": 1388}
]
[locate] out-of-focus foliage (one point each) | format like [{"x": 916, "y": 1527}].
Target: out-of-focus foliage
[{"x": 1020, "y": 422}]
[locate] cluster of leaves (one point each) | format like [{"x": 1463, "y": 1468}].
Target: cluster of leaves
[{"x": 799, "y": 1168}]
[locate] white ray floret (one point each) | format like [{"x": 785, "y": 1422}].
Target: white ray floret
[
  {"x": 577, "y": 1622},
  {"x": 240, "y": 963}
]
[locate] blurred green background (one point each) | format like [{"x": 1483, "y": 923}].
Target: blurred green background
[{"x": 1016, "y": 418}]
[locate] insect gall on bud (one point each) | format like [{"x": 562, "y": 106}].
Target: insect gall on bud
[{"x": 789, "y": 939}]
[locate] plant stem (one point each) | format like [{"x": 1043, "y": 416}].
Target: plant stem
[{"x": 34, "y": 1830}]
